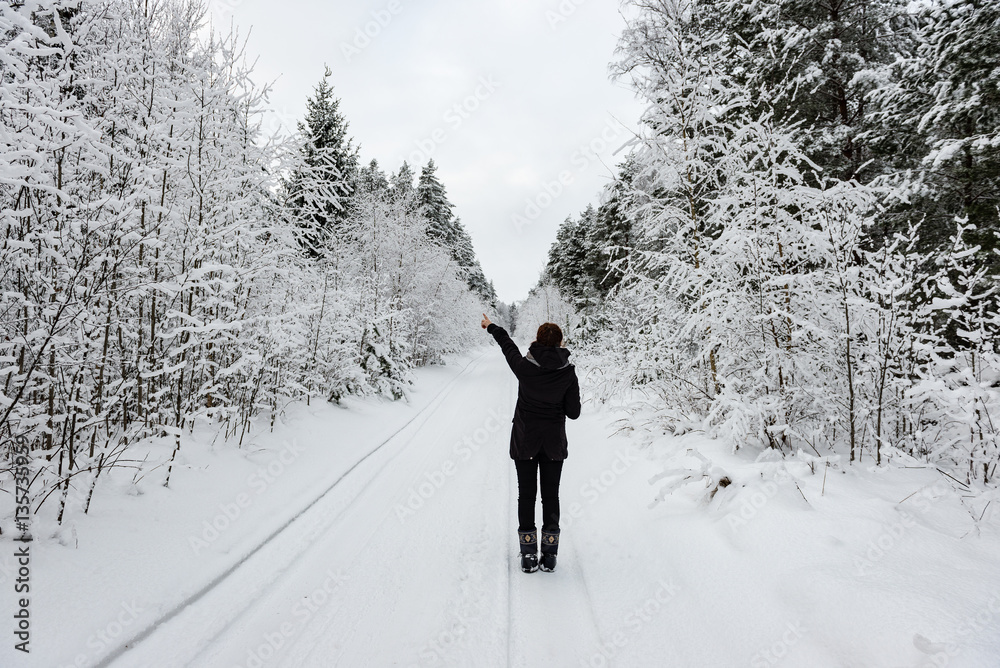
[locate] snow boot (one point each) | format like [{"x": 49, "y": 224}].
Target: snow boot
[
  {"x": 528, "y": 541},
  {"x": 550, "y": 546}
]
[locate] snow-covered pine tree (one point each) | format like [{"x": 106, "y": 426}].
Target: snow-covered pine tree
[
  {"x": 612, "y": 235},
  {"x": 814, "y": 63},
  {"x": 436, "y": 208},
  {"x": 321, "y": 188},
  {"x": 445, "y": 229},
  {"x": 950, "y": 91},
  {"x": 465, "y": 255},
  {"x": 402, "y": 183},
  {"x": 590, "y": 255},
  {"x": 570, "y": 257}
]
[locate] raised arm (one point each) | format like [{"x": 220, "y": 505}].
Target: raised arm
[{"x": 508, "y": 347}]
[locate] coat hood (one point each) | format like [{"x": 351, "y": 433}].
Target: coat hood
[{"x": 547, "y": 357}]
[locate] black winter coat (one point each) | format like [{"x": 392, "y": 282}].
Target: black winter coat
[{"x": 548, "y": 392}]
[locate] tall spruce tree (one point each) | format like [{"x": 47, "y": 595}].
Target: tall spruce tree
[
  {"x": 320, "y": 189},
  {"x": 437, "y": 210},
  {"x": 447, "y": 230},
  {"x": 938, "y": 110},
  {"x": 568, "y": 259},
  {"x": 589, "y": 256},
  {"x": 465, "y": 256}
]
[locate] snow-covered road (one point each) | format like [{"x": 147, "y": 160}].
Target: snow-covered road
[
  {"x": 384, "y": 535},
  {"x": 408, "y": 560}
]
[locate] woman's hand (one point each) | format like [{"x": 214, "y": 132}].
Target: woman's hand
[{"x": 486, "y": 322}]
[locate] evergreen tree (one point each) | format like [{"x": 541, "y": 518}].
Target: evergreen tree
[
  {"x": 567, "y": 257},
  {"x": 465, "y": 256},
  {"x": 326, "y": 129},
  {"x": 593, "y": 263},
  {"x": 402, "y": 184},
  {"x": 436, "y": 208},
  {"x": 320, "y": 188},
  {"x": 813, "y": 62},
  {"x": 957, "y": 117},
  {"x": 588, "y": 258},
  {"x": 371, "y": 180},
  {"x": 612, "y": 234},
  {"x": 447, "y": 230}
]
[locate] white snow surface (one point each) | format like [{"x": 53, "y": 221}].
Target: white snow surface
[{"x": 384, "y": 534}]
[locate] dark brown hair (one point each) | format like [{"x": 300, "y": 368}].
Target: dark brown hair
[{"x": 549, "y": 334}]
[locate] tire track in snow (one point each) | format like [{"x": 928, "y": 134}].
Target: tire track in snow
[
  {"x": 590, "y": 601},
  {"x": 365, "y": 606},
  {"x": 413, "y": 604},
  {"x": 143, "y": 634}
]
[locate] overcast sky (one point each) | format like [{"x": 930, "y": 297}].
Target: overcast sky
[{"x": 511, "y": 98}]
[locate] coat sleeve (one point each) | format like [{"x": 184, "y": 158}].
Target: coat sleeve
[
  {"x": 509, "y": 348},
  {"x": 571, "y": 402}
]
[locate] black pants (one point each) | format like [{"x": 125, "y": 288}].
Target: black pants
[{"x": 528, "y": 473}]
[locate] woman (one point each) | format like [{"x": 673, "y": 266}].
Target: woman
[{"x": 547, "y": 393}]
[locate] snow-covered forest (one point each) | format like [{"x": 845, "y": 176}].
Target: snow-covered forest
[
  {"x": 249, "y": 416},
  {"x": 801, "y": 250},
  {"x": 164, "y": 262}
]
